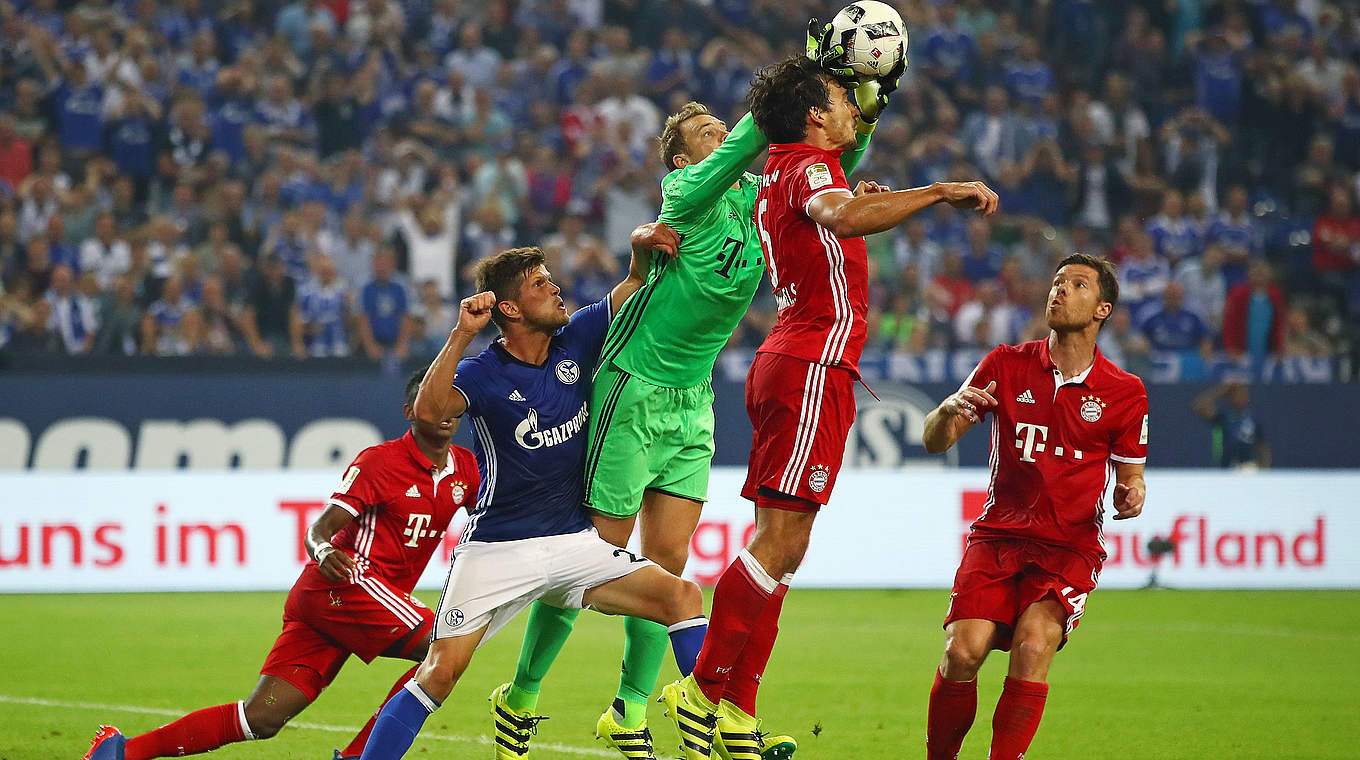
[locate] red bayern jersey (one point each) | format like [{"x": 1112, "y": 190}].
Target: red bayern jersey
[
  {"x": 1054, "y": 443},
  {"x": 820, "y": 282},
  {"x": 403, "y": 505}
]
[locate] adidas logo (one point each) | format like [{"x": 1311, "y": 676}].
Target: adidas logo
[
  {"x": 1026, "y": 397},
  {"x": 515, "y": 395},
  {"x": 413, "y": 492}
]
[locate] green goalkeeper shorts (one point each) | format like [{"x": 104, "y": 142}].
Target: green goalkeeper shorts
[{"x": 645, "y": 436}]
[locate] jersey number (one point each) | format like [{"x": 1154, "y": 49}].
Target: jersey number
[
  {"x": 731, "y": 250},
  {"x": 631, "y": 556}
]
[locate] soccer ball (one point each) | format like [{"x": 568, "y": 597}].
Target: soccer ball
[{"x": 874, "y": 37}]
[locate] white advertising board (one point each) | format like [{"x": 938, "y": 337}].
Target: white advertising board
[{"x": 900, "y": 529}]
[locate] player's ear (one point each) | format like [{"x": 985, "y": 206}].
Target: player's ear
[
  {"x": 508, "y": 309},
  {"x": 1104, "y": 309},
  {"x": 680, "y": 160}
]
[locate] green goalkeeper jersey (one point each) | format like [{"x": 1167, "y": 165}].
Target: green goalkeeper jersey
[{"x": 670, "y": 331}]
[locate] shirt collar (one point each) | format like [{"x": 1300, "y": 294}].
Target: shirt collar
[
  {"x": 1047, "y": 360},
  {"x": 409, "y": 441}
]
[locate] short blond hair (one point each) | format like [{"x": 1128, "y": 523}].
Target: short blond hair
[{"x": 672, "y": 140}]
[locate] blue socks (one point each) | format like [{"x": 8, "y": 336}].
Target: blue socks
[
  {"x": 399, "y": 722},
  {"x": 687, "y": 638}
]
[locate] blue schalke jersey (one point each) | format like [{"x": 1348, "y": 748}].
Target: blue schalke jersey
[{"x": 530, "y": 425}]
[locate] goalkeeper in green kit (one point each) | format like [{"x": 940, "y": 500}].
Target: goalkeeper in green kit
[{"x": 651, "y": 416}]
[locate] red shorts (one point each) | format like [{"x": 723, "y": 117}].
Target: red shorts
[
  {"x": 998, "y": 579},
  {"x": 801, "y": 414},
  {"x": 324, "y": 623}
]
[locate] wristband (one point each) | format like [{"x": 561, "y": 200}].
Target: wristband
[{"x": 323, "y": 550}]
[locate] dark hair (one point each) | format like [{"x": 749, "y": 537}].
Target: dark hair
[
  {"x": 1106, "y": 276},
  {"x": 504, "y": 273},
  {"x": 781, "y": 96},
  {"x": 672, "y": 140},
  {"x": 413, "y": 385}
]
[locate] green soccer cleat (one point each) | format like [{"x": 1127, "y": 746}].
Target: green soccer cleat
[
  {"x": 513, "y": 728},
  {"x": 693, "y": 715},
  {"x": 738, "y": 737},
  {"x": 632, "y": 743}
]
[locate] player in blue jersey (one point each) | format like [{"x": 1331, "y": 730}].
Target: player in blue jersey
[{"x": 529, "y": 536}]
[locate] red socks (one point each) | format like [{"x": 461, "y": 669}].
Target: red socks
[
  {"x": 738, "y": 601},
  {"x": 744, "y": 680},
  {"x": 356, "y": 746},
  {"x": 199, "y": 731},
  {"x": 1017, "y": 718},
  {"x": 953, "y": 705}
]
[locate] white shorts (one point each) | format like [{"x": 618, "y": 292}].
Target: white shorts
[{"x": 491, "y": 582}]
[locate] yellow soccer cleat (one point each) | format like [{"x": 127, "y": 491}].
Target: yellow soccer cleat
[
  {"x": 738, "y": 737},
  {"x": 693, "y": 715},
  {"x": 513, "y": 728},
  {"x": 632, "y": 743}
]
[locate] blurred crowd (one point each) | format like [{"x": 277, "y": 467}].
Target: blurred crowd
[{"x": 313, "y": 178}]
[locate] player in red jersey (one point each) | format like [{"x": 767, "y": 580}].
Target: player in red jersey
[
  {"x": 368, "y": 548},
  {"x": 1063, "y": 419},
  {"x": 799, "y": 391}
]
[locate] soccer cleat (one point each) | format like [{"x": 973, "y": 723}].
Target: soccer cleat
[
  {"x": 107, "y": 744},
  {"x": 513, "y": 728},
  {"x": 738, "y": 737},
  {"x": 693, "y": 715},
  {"x": 338, "y": 756},
  {"x": 633, "y": 743}
]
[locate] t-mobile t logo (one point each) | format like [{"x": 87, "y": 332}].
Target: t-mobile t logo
[
  {"x": 415, "y": 528},
  {"x": 1026, "y": 442}
]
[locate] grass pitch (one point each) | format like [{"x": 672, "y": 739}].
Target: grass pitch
[{"x": 1149, "y": 674}]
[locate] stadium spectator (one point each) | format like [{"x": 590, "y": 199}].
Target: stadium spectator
[
  {"x": 324, "y": 311},
  {"x": 384, "y": 303},
  {"x": 74, "y": 317},
  {"x": 270, "y": 321},
  {"x": 1238, "y": 439},
  {"x": 1253, "y": 316}
]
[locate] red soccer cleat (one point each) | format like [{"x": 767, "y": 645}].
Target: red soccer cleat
[{"x": 107, "y": 744}]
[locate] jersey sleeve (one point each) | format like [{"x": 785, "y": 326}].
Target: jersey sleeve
[
  {"x": 584, "y": 334},
  {"x": 1131, "y": 438},
  {"x": 688, "y": 192},
  {"x": 986, "y": 371},
  {"x": 360, "y": 488},
  {"x": 467, "y": 380},
  {"x": 813, "y": 178}
]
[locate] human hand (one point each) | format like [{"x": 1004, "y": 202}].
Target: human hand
[
  {"x": 1128, "y": 500},
  {"x": 869, "y": 187},
  {"x": 334, "y": 564},
  {"x": 474, "y": 312},
  {"x": 969, "y": 195},
  {"x": 971, "y": 403},
  {"x": 655, "y": 236}
]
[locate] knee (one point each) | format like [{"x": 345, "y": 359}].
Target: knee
[
  {"x": 671, "y": 558},
  {"x": 686, "y": 602},
  {"x": 962, "y": 658},
  {"x": 437, "y": 675},
  {"x": 1031, "y": 655}
]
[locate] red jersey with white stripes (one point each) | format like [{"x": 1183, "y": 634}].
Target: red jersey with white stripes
[
  {"x": 403, "y": 504},
  {"x": 1054, "y": 443},
  {"x": 820, "y": 282}
]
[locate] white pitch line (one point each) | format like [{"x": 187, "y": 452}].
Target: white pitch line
[{"x": 551, "y": 746}]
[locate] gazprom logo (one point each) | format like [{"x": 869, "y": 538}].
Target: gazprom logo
[{"x": 530, "y": 437}]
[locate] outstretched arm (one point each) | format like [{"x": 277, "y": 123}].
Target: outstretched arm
[
  {"x": 955, "y": 416},
  {"x": 333, "y": 563},
  {"x": 698, "y": 186},
  {"x": 437, "y": 400},
  {"x": 848, "y": 216}
]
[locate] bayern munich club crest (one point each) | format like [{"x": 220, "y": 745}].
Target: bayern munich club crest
[
  {"x": 817, "y": 479},
  {"x": 1091, "y": 408},
  {"x": 568, "y": 372},
  {"x": 459, "y": 492}
]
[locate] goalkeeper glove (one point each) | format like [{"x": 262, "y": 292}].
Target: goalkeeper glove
[
  {"x": 871, "y": 96},
  {"x": 829, "y": 54}
]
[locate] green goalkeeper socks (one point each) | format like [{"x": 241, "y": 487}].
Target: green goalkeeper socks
[
  {"x": 644, "y": 649},
  {"x": 544, "y": 636}
]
